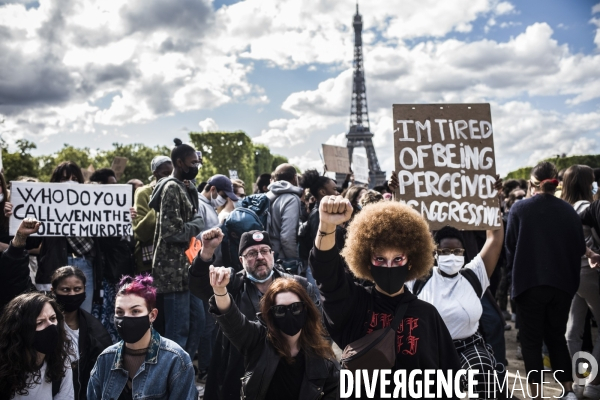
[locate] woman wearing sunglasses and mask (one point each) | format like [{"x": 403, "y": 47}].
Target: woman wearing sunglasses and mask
[
  {"x": 388, "y": 244},
  {"x": 88, "y": 336},
  {"x": 143, "y": 365},
  {"x": 285, "y": 353}
]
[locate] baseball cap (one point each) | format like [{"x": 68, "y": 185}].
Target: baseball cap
[{"x": 221, "y": 182}]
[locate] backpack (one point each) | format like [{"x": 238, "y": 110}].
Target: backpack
[
  {"x": 252, "y": 215},
  {"x": 466, "y": 272}
]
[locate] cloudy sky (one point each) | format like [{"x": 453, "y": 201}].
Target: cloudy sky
[{"x": 94, "y": 72}]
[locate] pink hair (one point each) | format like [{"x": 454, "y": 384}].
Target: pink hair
[{"x": 140, "y": 285}]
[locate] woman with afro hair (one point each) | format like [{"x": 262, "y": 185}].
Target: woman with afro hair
[{"x": 388, "y": 244}]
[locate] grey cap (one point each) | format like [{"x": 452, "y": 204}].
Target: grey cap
[{"x": 158, "y": 161}]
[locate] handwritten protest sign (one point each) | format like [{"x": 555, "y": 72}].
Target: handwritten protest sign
[
  {"x": 233, "y": 174},
  {"x": 118, "y": 165},
  {"x": 444, "y": 155},
  {"x": 66, "y": 209},
  {"x": 360, "y": 168},
  {"x": 336, "y": 158}
]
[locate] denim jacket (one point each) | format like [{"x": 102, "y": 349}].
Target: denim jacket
[{"x": 167, "y": 373}]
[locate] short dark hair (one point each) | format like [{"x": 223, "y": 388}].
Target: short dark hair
[
  {"x": 201, "y": 186},
  {"x": 448, "y": 232},
  {"x": 66, "y": 272},
  {"x": 263, "y": 180},
  {"x": 68, "y": 168},
  {"x": 102, "y": 175},
  {"x": 510, "y": 185},
  {"x": 180, "y": 151}
]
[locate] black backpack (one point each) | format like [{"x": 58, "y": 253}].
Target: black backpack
[{"x": 466, "y": 272}]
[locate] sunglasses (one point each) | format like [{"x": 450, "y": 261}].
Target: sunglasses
[{"x": 294, "y": 308}]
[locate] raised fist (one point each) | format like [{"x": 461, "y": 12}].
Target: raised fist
[
  {"x": 219, "y": 278},
  {"x": 335, "y": 210},
  {"x": 212, "y": 238}
]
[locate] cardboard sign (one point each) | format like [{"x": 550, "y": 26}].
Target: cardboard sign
[
  {"x": 360, "y": 168},
  {"x": 233, "y": 174},
  {"x": 336, "y": 158},
  {"x": 70, "y": 209},
  {"x": 444, "y": 156},
  {"x": 87, "y": 173},
  {"x": 118, "y": 165}
]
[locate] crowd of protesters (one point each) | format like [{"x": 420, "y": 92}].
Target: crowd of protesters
[{"x": 303, "y": 266}]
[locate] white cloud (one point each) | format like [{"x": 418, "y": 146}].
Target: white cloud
[
  {"x": 504, "y": 8},
  {"x": 208, "y": 125},
  {"x": 307, "y": 160}
]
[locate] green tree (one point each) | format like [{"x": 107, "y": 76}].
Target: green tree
[
  {"x": 19, "y": 163},
  {"x": 81, "y": 157},
  {"x": 263, "y": 160},
  {"x": 592, "y": 161},
  {"x": 278, "y": 160},
  {"x": 224, "y": 151},
  {"x": 139, "y": 156}
]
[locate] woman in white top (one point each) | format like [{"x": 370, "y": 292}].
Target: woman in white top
[
  {"x": 34, "y": 350},
  {"x": 452, "y": 289}
]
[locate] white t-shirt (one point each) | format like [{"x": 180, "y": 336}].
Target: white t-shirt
[
  {"x": 455, "y": 299},
  {"x": 43, "y": 391},
  {"x": 74, "y": 336}
]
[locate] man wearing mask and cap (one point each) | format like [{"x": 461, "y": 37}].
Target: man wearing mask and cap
[
  {"x": 145, "y": 221},
  {"x": 246, "y": 287}
]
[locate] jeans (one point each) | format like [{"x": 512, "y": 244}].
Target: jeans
[
  {"x": 207, "y": 341},
  {"x": 85, "y": 264},
  {"x": 543, "y": 312},
  {"x": 588, "y": 295},
  {"x": 177, "y": 317},
  {"x": 197, "y": 324},
  {"x": 493, "y": 326}
]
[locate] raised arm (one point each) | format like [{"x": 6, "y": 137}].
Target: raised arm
[
  {"x": 495, "y": 240},
  {"x": 333, "y": 211},
  {"x": 243, "y": 334},
  {"x": 199, "y": 270}
]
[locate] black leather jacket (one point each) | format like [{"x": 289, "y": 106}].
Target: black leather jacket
[
  {"x": 321, "y": 376},
  {"x": 226, "y": 366}
]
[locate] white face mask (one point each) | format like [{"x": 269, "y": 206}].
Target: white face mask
[
  {"x": 1, "y": 197},
  {"x": 450, "y": 264},
  {"x": 594, "y": 188},
  {"x": 218, "y": 202}
]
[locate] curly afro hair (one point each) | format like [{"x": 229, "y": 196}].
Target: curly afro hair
[{"x": 389, "y": 225}]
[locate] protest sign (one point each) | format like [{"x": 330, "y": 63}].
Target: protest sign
[
  {"x": 360, "y": 168},
  {"x": 444, "y": 156},
  {"x": 233, "y": 174},
  {"x": 87, "y": 173},
  {"x": 118, "y": 165},
  {"x": 69, "y": 209},
  {"x": 336, "y": 158}
]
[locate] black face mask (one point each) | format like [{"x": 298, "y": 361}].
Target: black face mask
[
  {"x": 132, "y": 329},
  {"x": 45, "y": 341},
  {"x": 70, "y": 303},
  {"x": 290, "y": 324},
  {"x": 190, "y": 173},
  {"x": 390, "y": 280}
]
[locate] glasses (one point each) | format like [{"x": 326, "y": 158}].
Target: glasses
[
  {"x": 252, "y": 254},
  {"x": 447, "y": 252},
  {"x": 294, "y": 308}
]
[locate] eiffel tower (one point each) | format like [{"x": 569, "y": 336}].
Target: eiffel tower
[{"x": 360, "y": 134}]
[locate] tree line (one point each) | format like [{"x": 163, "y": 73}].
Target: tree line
[{"x": 222, "y": 152}]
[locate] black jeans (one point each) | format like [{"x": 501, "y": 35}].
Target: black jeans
[{"x": 543, "y": 312}]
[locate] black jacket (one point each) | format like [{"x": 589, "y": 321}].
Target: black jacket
[
  {"x": 227, "y": 366},
  {"x": 544, "y": 244},
  {"x": 93, "y": 339},
  {"x": 321, "y": 376},
  {"x": 353, "y": 311},
  {"x": 53, "y": 255},
  {"x": 14, "y": 274}
]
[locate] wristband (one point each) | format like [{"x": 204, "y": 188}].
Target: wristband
[{"x": 221, "y": 295}]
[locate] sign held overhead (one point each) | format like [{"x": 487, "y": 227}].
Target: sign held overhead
[
  {"x": 336, "y": 158},
  {"x": 444, "y": 156},
  {"x": 360, "y": 168}
]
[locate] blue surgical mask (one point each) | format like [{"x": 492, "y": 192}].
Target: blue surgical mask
[
  {"x": 594, "y": 187},
  {"x": 253, "y": 279}
]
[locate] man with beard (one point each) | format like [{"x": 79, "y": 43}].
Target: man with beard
[{"x": 246, "y": 288}]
